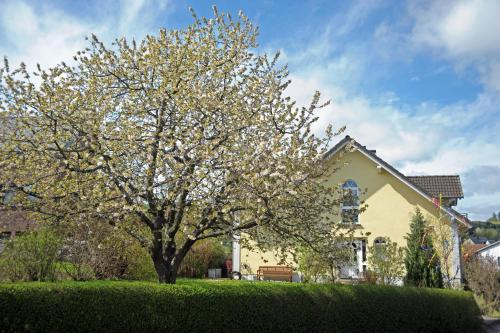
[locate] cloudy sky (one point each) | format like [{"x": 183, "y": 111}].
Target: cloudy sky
[{"x": 419, "y": 81}]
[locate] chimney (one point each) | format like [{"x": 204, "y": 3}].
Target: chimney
[{"x": 371, "y": 151}]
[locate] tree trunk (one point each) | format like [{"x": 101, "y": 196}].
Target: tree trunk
[
  {"x": 167, "y": 260},
  {"x": 167, "y": 257},
  {"x": 165, "y": 269}
]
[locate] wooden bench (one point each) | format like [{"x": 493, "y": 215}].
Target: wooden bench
[{"x": 282, "y": 272}]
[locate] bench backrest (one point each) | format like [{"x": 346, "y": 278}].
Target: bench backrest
[{"x": 275, "y": 269}]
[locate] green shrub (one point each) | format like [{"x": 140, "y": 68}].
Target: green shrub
[
  {"x": 324, "y": 265},
  {"x": 314, "y": 267},
  {"x": 78, "y": 272},
  {"x": 209, "y": 253},
  {"x": 387, "y": 260},
  {"x": 31, "y": 256},
  {"x": 236, "y": 306},
  {"x": 139, "y": 264}
]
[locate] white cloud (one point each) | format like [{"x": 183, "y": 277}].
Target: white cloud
[
  {"x": 49, "y": 35},
  {"x": 396, "y": 132},
  {"x": 483, "y": 179},
  {"x": 456, "y": 156},
  {"x": 357, "y": 13},
  {"x": 421, "y": 139},
  {"x": 46, "y": 36},
  {"x": 131, "y": 8},
  {"x": 426, "y": 138},
  {"x": 462, "y": 28},
  {"x": 464, "y": 31},
  {"x": 137, "y": 17}
]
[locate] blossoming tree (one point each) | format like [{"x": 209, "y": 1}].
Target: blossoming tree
[{"x": 187, "y": 133}]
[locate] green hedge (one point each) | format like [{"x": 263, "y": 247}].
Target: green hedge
[{"x": 202, "y": 306}]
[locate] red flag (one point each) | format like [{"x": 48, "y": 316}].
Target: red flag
[{"x": 435, "y": 201}]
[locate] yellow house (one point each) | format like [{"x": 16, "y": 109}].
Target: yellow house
[{"x": 391, "y": 199}]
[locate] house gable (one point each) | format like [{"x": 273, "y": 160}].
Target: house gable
[
  {"x": 390, "y": 203},
  {"x": 353, "y": 146},
  {"x": 391, "y": 199}
]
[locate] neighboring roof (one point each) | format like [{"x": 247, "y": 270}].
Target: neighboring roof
[
  {"x": 469, "y": 250},
  {"x": 474, "y": 247},
  {"x": 371, "y": 154},
  {"x": 13, "y": 221},
  {"x": 487, "y": 247},
  {"x": 446, "y": 186},
  {"x": 479, "y": 240}
]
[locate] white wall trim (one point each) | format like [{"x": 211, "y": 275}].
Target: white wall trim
[{"x": 236, "y": 254}]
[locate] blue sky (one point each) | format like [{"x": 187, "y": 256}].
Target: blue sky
[{"x": 417, "y": 80}]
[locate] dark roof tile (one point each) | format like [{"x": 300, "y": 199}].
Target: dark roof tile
[{"x": 447, "y": 186}]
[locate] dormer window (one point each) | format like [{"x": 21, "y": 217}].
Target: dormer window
[{"x": 350, "y": 202}]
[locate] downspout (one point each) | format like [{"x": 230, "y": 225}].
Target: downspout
[
  {"x": 456, "y": 278},
  {"x": 236, "y": 256}
]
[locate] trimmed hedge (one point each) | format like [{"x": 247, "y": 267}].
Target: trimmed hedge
[{"x": 236, "y": 306}]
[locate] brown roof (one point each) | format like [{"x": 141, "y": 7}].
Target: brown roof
[
  {"x": 447, "y": 186},
  {"x": 468, "y": 250},
  {"x": 473, "y": 247},
  {"x": 13, "y": 221}
]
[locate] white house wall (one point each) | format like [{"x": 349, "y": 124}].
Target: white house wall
[{"x": 493, "y": 251}]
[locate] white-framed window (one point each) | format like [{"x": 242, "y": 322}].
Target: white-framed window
[
  {"x": 350, "y": 202},
  {"x": 356, "y": 266},
  {"x": 378, "y": 244}
]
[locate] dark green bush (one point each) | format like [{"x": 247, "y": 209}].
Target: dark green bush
[{"x": 232, "y": 307}]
